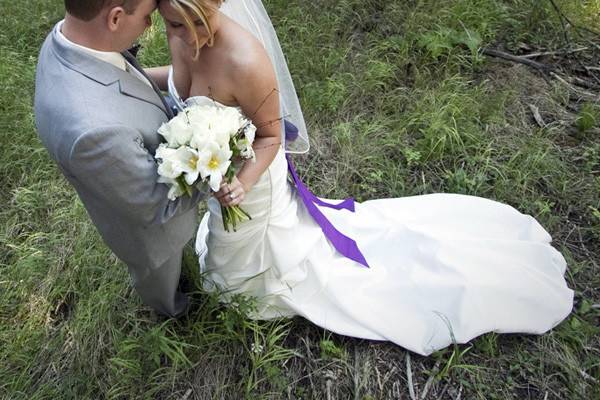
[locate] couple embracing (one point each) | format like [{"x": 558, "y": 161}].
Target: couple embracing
[{"x": 423, "y": 271}]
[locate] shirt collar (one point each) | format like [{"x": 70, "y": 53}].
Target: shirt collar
[{"x": 111, "y": 57}]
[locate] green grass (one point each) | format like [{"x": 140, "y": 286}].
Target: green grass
[{"x": 399, "y": 102}]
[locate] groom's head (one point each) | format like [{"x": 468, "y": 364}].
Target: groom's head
[
  {"x": 115, "y": 23},
  {"x": 87, "y": 10}
]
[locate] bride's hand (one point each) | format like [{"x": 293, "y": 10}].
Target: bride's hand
[{"x": 231, "y": 194}]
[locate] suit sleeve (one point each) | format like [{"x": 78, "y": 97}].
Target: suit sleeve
[{"x": 113, "y": 163}]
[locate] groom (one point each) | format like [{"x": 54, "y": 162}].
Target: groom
[{"x": 97, "y": 113}]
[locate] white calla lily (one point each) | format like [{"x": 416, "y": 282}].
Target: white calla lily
[
  {"x": 175, "y": 189},
  {"x": 178, "y": 131},
  {"x": 169, "y": 165},
  {"x": 213, "y": 163},
  {"x": 200, "y": 138},
  {"x": 187, "y": 159},
  {"x": 232, "y": 122}
]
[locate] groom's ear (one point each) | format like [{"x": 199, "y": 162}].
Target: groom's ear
[{"x": 114, "y": 18}]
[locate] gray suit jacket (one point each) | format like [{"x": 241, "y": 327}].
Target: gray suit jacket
[{"x": 99, "y": 124}]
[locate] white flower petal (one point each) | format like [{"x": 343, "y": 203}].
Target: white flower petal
[
  {"x": 191, "y": 177},
  {"x": 250, "y": 133},
  {"x": 174, "y": 192},
  {"x": 215, "y": 181},
  {"x": 223, "y": 167}
]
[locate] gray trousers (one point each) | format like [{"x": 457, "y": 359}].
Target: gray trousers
[{"x": 158, "y": 289}]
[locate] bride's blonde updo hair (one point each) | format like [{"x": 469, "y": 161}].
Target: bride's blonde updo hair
[{"x": 192, "y": 9}]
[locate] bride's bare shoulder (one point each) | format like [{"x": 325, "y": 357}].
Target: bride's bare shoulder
[{"x": 246, "y": 55}]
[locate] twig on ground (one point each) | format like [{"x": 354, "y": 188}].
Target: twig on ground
[
  {"x": 459, "y": 393},
  {"x": 309, "y": 357},
  {"x": 537, "y": 116},
  {"x": 517, "y": 59},
  {"x": 444, "y": 390},
  {"x": 378, "y": 377},
  {"x": 570, "y": 82},
  {"x": 583, "y": 83},
  {"x": 328, "y": 388},
  {"x": 555, "y": 52},
  {"x": 587, "y": 376},
  {"x": 411, "y": 389},
  {"x": 590, "y": 71},
  {"x": 187, "y": 394},
  {"x": 355, "y": 375},
  {"x": 580, "y": 92},
  {"x": 396, "y": 390},
  {"x": 592, "y": 74}
]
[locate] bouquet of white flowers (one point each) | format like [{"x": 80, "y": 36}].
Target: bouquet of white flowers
[{"x": 202, "y": 143}]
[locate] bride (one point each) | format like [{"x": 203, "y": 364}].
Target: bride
[{"x": 422, "y": 272}]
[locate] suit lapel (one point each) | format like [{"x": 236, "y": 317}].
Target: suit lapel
[
  {"x": 131, "y": 86},
  {"x": 133, "y": 61},
  {"x": 107, "y": 74}
]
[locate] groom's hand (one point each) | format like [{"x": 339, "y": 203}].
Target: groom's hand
[{"x": 231, "y": 194}]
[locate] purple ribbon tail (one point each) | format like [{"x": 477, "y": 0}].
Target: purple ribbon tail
[{"x": 342, "y": 243}]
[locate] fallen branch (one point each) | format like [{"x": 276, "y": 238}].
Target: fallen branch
[
  {"x": 521, "y": 60},
  {"x": 579, "y": 91},
  {"x": 554, "y": 53},
  {"x": 583, "y": 83},
  {"x": 545, "y": 68}
]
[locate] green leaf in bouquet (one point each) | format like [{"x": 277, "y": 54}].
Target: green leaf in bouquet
[{"x": 183, "y": 185}]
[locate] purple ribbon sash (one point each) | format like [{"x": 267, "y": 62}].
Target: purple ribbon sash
[{"x": 342, "y": 243}]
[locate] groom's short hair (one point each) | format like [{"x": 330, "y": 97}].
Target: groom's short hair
[{"x": 88, "y": 9}]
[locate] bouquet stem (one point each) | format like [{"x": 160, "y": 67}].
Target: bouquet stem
[{"x": 232, "y": 216}]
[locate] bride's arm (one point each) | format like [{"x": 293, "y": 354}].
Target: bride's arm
[
  {"x": 255, "y": 90},
  {"x": 179, "y": 59},
  {"x": 259, "y": 99},
  {"x": 159, "y": 76}
]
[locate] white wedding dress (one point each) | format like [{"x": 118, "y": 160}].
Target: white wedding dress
[{"x": 444, "y": 268}]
